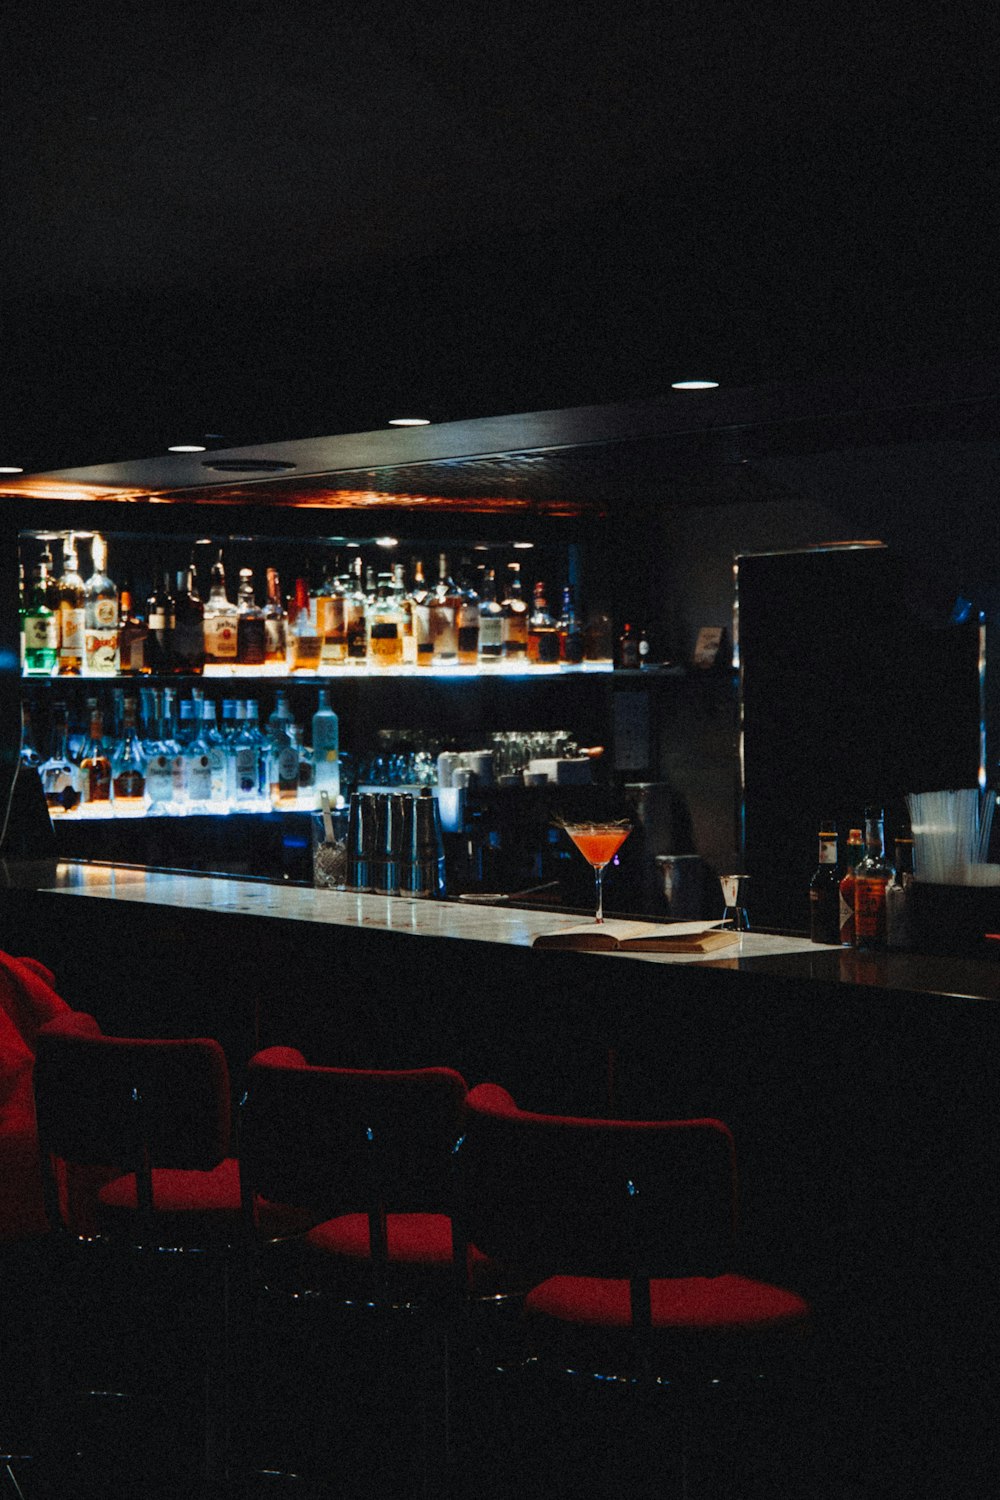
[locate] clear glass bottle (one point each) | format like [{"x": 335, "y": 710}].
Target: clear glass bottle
[
  {"x": 490, "y": 620},
  {"x": 95, "y": 766},
  {"x": 871, "y": 881},
  {"x": 385, "y": 626},
  {"x": 899, "y": 897},
  {"x": 251, "y": 635},
  {"x": 326, "y": 750},
  {"x": 283, "y": 767},
  {"x": 133, "y": 634},
  {"x": 245, "y": 777},
  {"x": 445, "y": 603},
  {"x": 467, "y": 618},
  {"x": 304, "y": 641},
  {"x": 570, "y": 629},
  {"x": 196, "y": 756},
  {"x": 543, "y": 636},
  {"x": 218, "y": 758},
  {"x": 824, "y": 889},
  {"x": 41, "y": 627},
  {"x": 61, "y": 779},
  {"x": 275, "y": 623},
  {"x": 515, "y": 618},
  {"x": 72, "y": 614},
  {"x": 356, "y": 605},
  {"x": 404, "y": 604},
  {"x": 220, "y": 619},
  {"x": 189, "y": 624},
  {"x": 128, "y": 767},
  {"x": 159, "y": 751},
  {"x": 100, "y": 615},
  {"x": 255, "y": 734}
]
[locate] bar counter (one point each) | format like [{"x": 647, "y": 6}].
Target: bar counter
[{"x": 861, "y": 1089}]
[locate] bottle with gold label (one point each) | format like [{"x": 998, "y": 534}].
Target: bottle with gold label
[
  {"x": 303, "y": 642},
  {"x": 871, "y": 881},
  {"x": 72, "y": 617}
]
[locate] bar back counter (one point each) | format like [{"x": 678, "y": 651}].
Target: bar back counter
[{"x": 861, "y": 1088}]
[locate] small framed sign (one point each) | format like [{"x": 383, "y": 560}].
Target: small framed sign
[{"x": 709, "y": 645}]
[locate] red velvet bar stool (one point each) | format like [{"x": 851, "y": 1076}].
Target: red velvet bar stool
[
  {"x": 369, "y": 1154},
  {"x": 134, "y": 1137},
  {"x": 626, "y": 1234}
]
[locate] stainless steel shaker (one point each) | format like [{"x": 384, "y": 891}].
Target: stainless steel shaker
[
  {"x": 421, "y": 871},
  {"x": 361, "y": 841}
]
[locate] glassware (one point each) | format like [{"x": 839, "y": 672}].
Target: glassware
[{"x": 599, "y": 843}]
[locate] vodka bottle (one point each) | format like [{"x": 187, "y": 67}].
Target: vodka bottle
[
  {"x": 160, "y": 750},
  {"x": 326, "y": 749},
  {"x": 445, "y": 603},
  {"x": 218, "y": 758},
  {"x": 128, "y": 767}
]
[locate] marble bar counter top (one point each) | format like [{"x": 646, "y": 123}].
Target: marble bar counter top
[{"x": 789, "y": 957}]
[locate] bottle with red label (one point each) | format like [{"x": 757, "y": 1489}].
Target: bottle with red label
[
  {"x": 871, "y": 881},
  {"x": 854, "y": 854}
]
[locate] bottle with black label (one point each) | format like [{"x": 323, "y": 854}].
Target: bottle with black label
[{"x": 824, "y": 889}]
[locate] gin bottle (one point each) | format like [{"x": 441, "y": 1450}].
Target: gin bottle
[{"x": 100, "y": 615}]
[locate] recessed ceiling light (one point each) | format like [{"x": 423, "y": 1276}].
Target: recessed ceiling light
[
  {"x": 409, "y": 421},
  {"x": 694, "y": 385},
  {"x": 10, "y": 469},
  {"x": 387, "y": 541},
  {"x": 186, "y": 448},
  {"x": 523, "y": 546}
]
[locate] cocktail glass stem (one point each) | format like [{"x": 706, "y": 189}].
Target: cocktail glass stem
[{"x": 599, "y": 887}]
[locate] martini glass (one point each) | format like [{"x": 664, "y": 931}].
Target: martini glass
[{"x": 598, "y": 843}]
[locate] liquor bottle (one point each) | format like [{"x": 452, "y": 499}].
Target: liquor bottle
[
  {"x": 159, "y": 752},
  {"x": 100, "y": 604},
  {"x": 280, "y": 716},
  {"x": 95, "y": 767},
  {"x": 283, "y": 767},
  {"x": 196, "y": 757},
  {"x": 467, "y": 619},
  {"x": 218, "y": 758},
  {"x": 598, "y": 639},
  {"x": 570, "y": 630},
  {"x": 219, "y": 619},
  {"x": 824, "y": 890},
  {"x": 256, "y": 736},
  {"x": 133, "y": 634},
  {"x": 490, "y": 620},
  {"x": 326, "y": 749},
  {"x": 30, "y": 758},
  {"x": 331, "y": 620},
  {"x": 128, "y": 767},
  {"x": 405, "y": 606},
  {"x": 855, "y": 852},
  {"x": 275, "y": 623},
  {"x": 871, "y": 880},
  {"x": 161, "y": 625},
  {"x": 420, "y": 614},
  {"x": 444, "y": 606},
  {"x": 304, "y": 641},
  {"x": 543, "y": 637},
  {"x": 515, "y": 617},
  {"x": 251, "y": 632},
  {"x": 645, "y": 648},
  {"x": 22, "y": 608},
  {"x": 61, "y": 780},
  {"x": 72, "y": 615},
  {"x": 189, "y": 624},
  {"x": 628, "y": 648},
  {"x": 385, "y": 627},
  {"x": 41, "y": 627},
  {"x": 899, "y": 897},
  {"x": 356, "y": 626},
  {"x": 245, "y": 776}
]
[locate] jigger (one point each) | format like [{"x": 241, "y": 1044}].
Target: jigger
[{"x": 734, "y": 894}]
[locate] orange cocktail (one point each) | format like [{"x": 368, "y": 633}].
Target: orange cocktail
[{"x": 598, "y": 843}]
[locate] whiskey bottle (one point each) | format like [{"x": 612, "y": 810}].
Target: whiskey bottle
[
  {"x": 543, "y": 636},
  {"x": 515, "y": 617},
  {"x": 100, "y": 606},
  {"x": 251, "y": 633},
  {"x": 356, "y": 626},
  {"x": 385, "y": 626},
  {"x": 275, "y": 623},
  {"x": 331, "y": 621},
  {"x": 855, "y": 852},
  {"x": 71, "y": 613},
  {"x": 220, "y": 619},
  {"x": 871, "y": 880},
  {"x": 824, "y": 890},
  {"x": 128, "y": 767},
  {"x": 95, "y": 767},
  {"x": 189, "y": 625},
  {"x": 133, "y": 634},
  {"x": 420, "y": 615},
  {"x": 490, "y": 620},
  {"x": 304, "y": 641},
  {"x": 467, "y": 620},
  {"x": 899, "y": 897}
]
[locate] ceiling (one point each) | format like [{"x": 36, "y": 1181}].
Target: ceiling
[{"x": 280, "y": 223}]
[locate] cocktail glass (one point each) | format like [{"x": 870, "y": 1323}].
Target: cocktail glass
[{"x": 598, "y": 843}]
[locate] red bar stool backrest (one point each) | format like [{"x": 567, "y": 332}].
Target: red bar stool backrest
[
  {"x": 334, "y": 1140},
  {"x": 599, "y": 1198}
]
